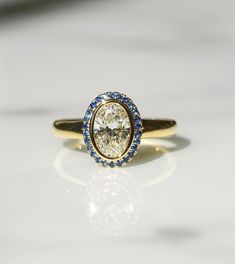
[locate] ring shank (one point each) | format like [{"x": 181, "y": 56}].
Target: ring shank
[{"x": 152, "y": 128}]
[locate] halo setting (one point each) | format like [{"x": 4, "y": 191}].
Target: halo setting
[{"x": 112, "y": 129}]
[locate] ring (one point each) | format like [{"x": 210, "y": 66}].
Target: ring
[{"x": 112, "y": 129}]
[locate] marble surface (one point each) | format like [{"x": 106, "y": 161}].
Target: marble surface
[{"x": 174, "y": 203}]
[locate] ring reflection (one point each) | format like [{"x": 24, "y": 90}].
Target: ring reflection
[
  {"x": 112, "y": 198},
  {"x": 112, "y": 201}
]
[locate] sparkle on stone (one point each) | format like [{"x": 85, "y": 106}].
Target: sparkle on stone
[{"x": 112, "y": 130}]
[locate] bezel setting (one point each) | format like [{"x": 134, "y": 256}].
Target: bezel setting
[{"x": 136, "y": 129}]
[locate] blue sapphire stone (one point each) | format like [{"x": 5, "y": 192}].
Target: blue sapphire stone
[
  {"x": 89, "y": 148},
  {"x": 93, "y": 104},
  {"x": 93, "y": 154},
  {"x": 98, "y": 99},
  {"x": 88, "y": 115},
  {"x": 87, "y": 140},
  {"x": 131, "y": 106},
  {"x": 138, "y": 125},
  {"x": 119, "y": 163},
  {"x": 134, "y": 147},
  {"x": 137, "y": 119},
  {"x": 104, "y": 163},
  {"x": 137, "y": 136},
  {"x": 125, "y": 100},
  {"x": 105, "y": 97},
  {"x": 112, "y": 164},
  {"x": 97, "y": 159},
  {"x": 85, "y": 125},
  {"x": 86, "y": 133},
  {"x": 136, "y": 112},
  {"x": 116, "y": 95}
]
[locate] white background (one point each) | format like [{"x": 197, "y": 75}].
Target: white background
[{"x": 174, "y": 203}]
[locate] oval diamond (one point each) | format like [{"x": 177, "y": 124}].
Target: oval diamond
[{"x": 112, "y": 130}]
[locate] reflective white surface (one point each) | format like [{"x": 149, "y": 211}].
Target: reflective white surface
[{"x": 175, "y": 202}]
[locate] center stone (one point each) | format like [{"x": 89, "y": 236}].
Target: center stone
[{"x": 112, "y": 130}]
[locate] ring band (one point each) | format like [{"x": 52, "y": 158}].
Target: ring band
[{"x": 112, "y": 129}]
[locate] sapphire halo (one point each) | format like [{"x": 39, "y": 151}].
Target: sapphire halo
[{"x": 112, "y": 129}]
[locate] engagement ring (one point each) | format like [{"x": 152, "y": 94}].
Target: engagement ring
[{"x": 112, "y": 129}]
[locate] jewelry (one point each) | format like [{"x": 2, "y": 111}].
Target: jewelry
[{"x": 112, "y": 129}]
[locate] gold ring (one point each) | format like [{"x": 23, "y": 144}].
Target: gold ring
[{"x": 112, "y": 129}]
